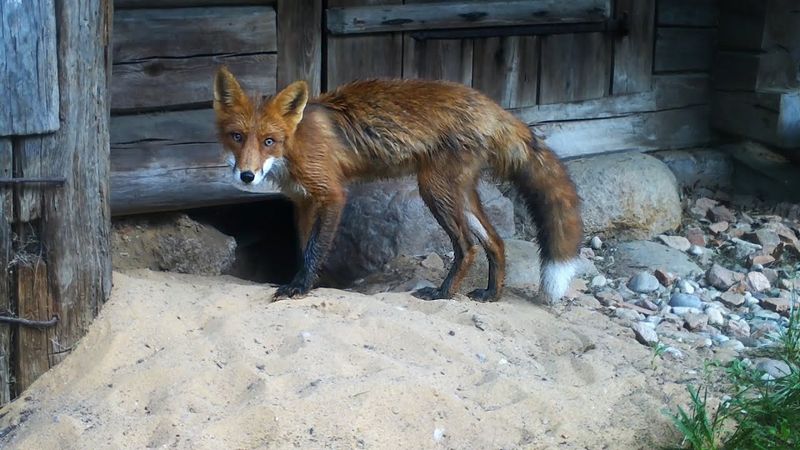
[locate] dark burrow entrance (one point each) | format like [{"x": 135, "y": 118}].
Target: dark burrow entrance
[{"x": 266, "y": 237}]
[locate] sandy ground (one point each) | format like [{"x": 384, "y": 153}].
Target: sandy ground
[{"x": 208, "y": 362}]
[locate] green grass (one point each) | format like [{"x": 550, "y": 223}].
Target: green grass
[{"x": 760, "y": 413}]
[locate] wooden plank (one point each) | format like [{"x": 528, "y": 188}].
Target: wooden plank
[
  {"x": 507, "y": 69},
  {"x": 169, "y": 140},
  {"x": 161, "y": 33},
  {"x": 356, "y": 57},
  {"x": 300, "y": 43},
  {"x": 168, "y": 189},
  {"x": 446, "y": 59},
  {"x": 741, "y": 31},
  {"x": 34, "y": 302},
  {"x": 684, "y": 49},
  {"x": 159, "y": 83},
  {"x": 28, "y": 68},
  {"x": 744, "y": 71},
  {"x": 669, "y": 92},
  {"x": 633, "y": 53},
  {"x": 443, "y": 15},
  {"x": 662, "y": 130},
  {"x": 574, "y": 67},
  {"x": 6, "y": 303},
  {"x": 696, "y": 13},
  {"x": 769, "y": 117},
  {"x": 138, "y": 4},
  {"x": 29, "y": 162},
  {"x": 75, "y": 220}
]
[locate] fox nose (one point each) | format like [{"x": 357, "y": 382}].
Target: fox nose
[{"x": 247, "y": 177}]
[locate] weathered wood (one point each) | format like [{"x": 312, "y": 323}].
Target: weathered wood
[
  {"x": 633, "y": 53},
  {"x": 745, "y": 71},
  {"x": 696, "y": 13},
  {"x": 741, "y": 31},
  {"x": 6, "y": 303},
  {"x": 131, "y": 4},
  {"x": 443, "y": 15},
  {"x": 449, "y": 59},
  {"x": 670, "y": 129},
  {"x": 161, "y": 33},
  {"x": 300, "y": 43},
  {"x": 167, "y": 189},
  {"x": 507, "y": 69},
  {"x": 28, "y": 68},
  {"x": 29, "y": 164},
  {"x": 354, "y": 57},
  {"x": 187, "y": 82},
  {"x": 34, "y": 302},
  {"x": 684, "y": 49},
  {"x": 75, "y": 220},
  {"x": 668, "y": 92},
  {"x": 769, "y": 117},
  {"x": 574, "y": 67}
]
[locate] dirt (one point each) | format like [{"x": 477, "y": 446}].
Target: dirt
[{"x": 186, "y": 361}]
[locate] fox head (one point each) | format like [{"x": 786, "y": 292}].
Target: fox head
[{"x": 256, "y": 132}]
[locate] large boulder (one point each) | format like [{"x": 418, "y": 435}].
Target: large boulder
[
  {"x": 632, "y": 257},
  {"x": 386, "y": 219},
  {"x": 171, "y": 242},
  {"x": 699, "y": 167},
  {"x": 628, "y": 195}
]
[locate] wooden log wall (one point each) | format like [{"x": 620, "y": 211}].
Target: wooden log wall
[
  {"x": 54, "y": 238},
  {"x": 757, "y": 72}
]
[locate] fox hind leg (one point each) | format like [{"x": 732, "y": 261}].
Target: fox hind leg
[
  {"x": 493, "y": 245},
  {"x": 447, "y": 206}
]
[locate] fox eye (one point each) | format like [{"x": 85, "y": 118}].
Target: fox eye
[
  {"x": 268, "y": 142},
  {"x": 237, "y": 137}
]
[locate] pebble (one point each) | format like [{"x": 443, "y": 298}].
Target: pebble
[
  {"x": 683, "y": 310},
  {"x": 665, "y": 278},
  {"x": 596, "y": 243},
  {"x": 433, "y": 262},
  {"x": 609, "y": 298},
  {"x": 676, "y": 242},
  {"x": 722, "y": 278},
  {"x": 733, "y": 344},
  {"x": 773, "y": 367},
  {"x": 588, "y": 301},
  {"x": 685, "y": 300},
  {"x": 438, "y": 434},
  {"x": 779, "y": 305},
  {"x": 644, "y": 333},
  {"x": 720, "y": 339},
  {"x": 673, "y": 353},
  {"x": 732, "y": 299},
  {"x": 738, "y": 328},
  {"x": 757, "y": 282},
  {"x": 696, "y": 250},
  {"x": 744, "y": 248},
  {"x": 628, "y": 314},
  {"x": 643, "y": 282},
  {"x": 695, "y": 322},
  {"x": 718, "y": 227},
  {"x": 685, "y": 287},
  {"x": 715, "y": 316},
  {"x": 696, "y": 236},
  {"x": 598, "y": 281}
]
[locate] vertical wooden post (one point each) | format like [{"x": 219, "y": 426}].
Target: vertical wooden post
[
  {"x": 34, "y": 303},
  {"x": 300, "y": 43},
  {"x": 633, "y": 53},
  {"x": 6, "y": 303}
]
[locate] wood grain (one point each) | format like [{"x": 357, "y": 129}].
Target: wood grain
[
  {"x": 34, "y": 302},
  {"x": 633, "y": 53},
  {"x": 130, "y": 4},
  {"x": 769, "y": 117},
  {"x": 697, "y": 13},
  {"x": 443, "y": 15},
  {"x": 6, "y": 302},
  {"x": 300, "y": 43},
  {"x": 684, "y": 49},
  {"x": 574, "y": 67},
  {"x": 507, "y": 69},
  {"x": 28, "y": 68}
]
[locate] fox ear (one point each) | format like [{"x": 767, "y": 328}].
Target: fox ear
[
  {"x": 291, "y": 101},
  {"x": 227, "y": 91}
]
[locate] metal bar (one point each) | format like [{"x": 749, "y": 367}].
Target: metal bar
[
  {"x": 29, "y": 323},
  {"x": 58, "y": 181},
  {"x": 618, "y": 27}
]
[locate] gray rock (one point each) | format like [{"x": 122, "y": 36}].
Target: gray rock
[
  {"x": 630, "y": 195},
  {"x": 715, "y": 316},
  {"x": 632, "y": 256},
  {"x": 385, "y": 219},
  {"x": 732, "y": 299},
  {"x": 588, "y": 301},
  {"x": 643, "y": 282},
  {"x": 695, "y": 322},
  {"x": 685, "y": 287},
  {"x": 773, "y": 367},
  {"x": 433, "y": 262},
  {"x": 681, "y": 311},
  {"x": 722, "y": 278},
  {"x": 696, "y": 250},
  {"x": 744, "y": 248},
  {"x": 676, "y": 242},
  {"x": 699, "y": 167},
  {"x": 609, "y": 297},
  {"x": 522, "y": 266},
  {"x": 645, "y": 333},
  {"x": 628, "y": 315},
  {"x": 598, "y": 281},
  {"x": 685, "y": 301},
  {"x": 597, "y": 243},
  {"x": 733, "y": 344},
  {"x": 757, "y": 282},
  {"x": 738, "y": 328}
]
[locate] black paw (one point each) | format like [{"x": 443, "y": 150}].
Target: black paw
[
  {"x": 483, "y": 295},
  {"x": 429, "y": 293},
  {"x": 289, "y": 291}
]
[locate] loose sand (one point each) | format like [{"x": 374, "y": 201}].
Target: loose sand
[{"x": 208, "y": 362}]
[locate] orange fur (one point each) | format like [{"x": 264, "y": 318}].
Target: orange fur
[{"x": 445, "y": 133}]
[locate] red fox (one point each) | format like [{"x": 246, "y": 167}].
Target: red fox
[{"x": 445, "y": 133}]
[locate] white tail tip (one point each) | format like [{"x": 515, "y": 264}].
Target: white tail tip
[{"x": 556, "y": 277}]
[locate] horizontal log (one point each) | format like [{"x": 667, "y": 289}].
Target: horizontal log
[
  {"x": 662, "y": 130},
  {"x": 745, "y": 71},
  {"x": 445, "y": 15},
  {"x": 667, "y": 92},
  {"x": 166, "y": 189},
  {"x": 138, "y": 4},
  {"x": 186, "y": 82},
  {"x": 162, "y": 33},
  {"x": 684, "y": 49},
  {"x": 696, "y": 13},
  {"x": 769, "y": 117}
]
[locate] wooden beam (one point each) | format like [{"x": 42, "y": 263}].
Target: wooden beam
[
  {"x": 6, "y": 297},
  {"x": 696, "y": 13},
  {"x": 507, "y": 69},
  {"x": 34, "y": 302},
  {"x": 300, "y": 43},
  {"x": 444, "y": 15},
  {"x": 185, "y": 82},
  {"x": 684, "y": 49},
  {"x": 28, "y": 68},
  {"x": 574, "y": 67},
  {"x": 161, "y": 33},
  {"x": 661, "y": 130},
  {"x": 139, "y": 4},
  {"x": 633, "y": 53},
  {"x": 745, "y": 71},
  {"x": 769, "y": 117}
]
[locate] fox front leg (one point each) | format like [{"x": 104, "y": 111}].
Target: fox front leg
[{"x": 316, "y": 250}]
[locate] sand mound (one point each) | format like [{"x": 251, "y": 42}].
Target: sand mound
[{"x": 207, "y": 362}]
